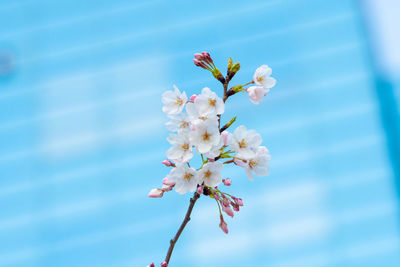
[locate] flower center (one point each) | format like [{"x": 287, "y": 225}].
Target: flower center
[
  {"x": 206, "y": 136},
  {"x": 187, "y": 176},
  {"x": 207, "y": 174},
  {"x": 211, "y": 102},
  {"x": 185, "y": 147},
  {"x": 179, "y": 102},
  {"x": 184, "y": 124},
  {"x": 243, "y": 144},
  {"x": 253, "y": 163},
  {"x": 260, "y": 78}
]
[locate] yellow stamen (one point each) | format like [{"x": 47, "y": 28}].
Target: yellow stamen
[
  {"x": 211, "y": 102},
  {"x": 207, "y": 174},
  {"x": 185, "y": 146},
  {"x": 206, "y": 136},
  {"x": 253, "y": 163},
  {"x": 179, "y": 102},
  {"x": 187, "y": 176},
  {"x": 242, "y": 144}
]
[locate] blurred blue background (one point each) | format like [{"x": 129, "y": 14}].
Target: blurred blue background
[{"x": 82, "y": 133}]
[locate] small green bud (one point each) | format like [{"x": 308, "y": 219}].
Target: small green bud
[
  {"x": 218, "y": 75},
  {"x": 237, "y": 88},
  {"x": 230, "y": 122},
  {"x": 230, "y": 63},
  {"x": 235, "y": 68}
]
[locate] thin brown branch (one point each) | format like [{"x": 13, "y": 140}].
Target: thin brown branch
[{"x": 173, "y": 241}]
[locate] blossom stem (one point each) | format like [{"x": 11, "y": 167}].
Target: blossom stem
[{"x": 173, "y": 241}]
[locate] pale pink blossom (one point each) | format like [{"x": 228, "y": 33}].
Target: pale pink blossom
[
  {"x": 256, "y": 93},
  {"x": 225, "y": 137}
]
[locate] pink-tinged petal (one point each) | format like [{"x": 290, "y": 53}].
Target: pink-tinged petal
[
  {"x": 240, "y": 163},
  {"x": 249, "y": 174},
  {"x": 225, "y": 137},
  {"x": 193, "y": 97},
  {"x": 167, "y": 188},
  {"x": 156, "y": 193},
  {"x": 228, "y": 210},
  {"x": 167, "y": 181}
]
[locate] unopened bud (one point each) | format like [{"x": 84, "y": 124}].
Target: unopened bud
[
  {"x": 227, "y": 181},
  {"x": 151, "y": 265},
  {"x": 193, "y": 97},
  {"x": 200, "y": 190},
  {"x": 236, "y": 67},
  {"x": 228, "y": 210},
  {"x": 230, "y": 63},
  {"x": 226, "y": 126},
  {"x": 164, "y": 264},
  {"x": 198, "y": 56},
  {"x": 218, "y": 75},
  {"x": 167, "y": 181},
  {"x": 237, "y": 88},
  {"x": 225, "y": 137},
  {"x": 235, "y": 206},
  {"x": 167, "y": 188},
  {"x": 207, "y": 57},
  {"x": 223, "y": 225},
  {"x": 239, "y": 201},
  {"x": 156, "y": 192},
  {"x": 167, "y": 163},
  {"x": 226, "y": 202}
]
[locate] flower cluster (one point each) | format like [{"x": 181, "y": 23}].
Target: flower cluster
[{"x": 195, "y": 125}]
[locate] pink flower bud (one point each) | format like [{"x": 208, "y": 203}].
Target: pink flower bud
[
  {"x": 156, "y": 192},
  {"x": 207, "y": 57},
  {"x": 239, "y": 202},
  {"x": 217, "y": 197},
  {"x": 167, "y": 162},
  {"x": 193, "y": 97},
  {"x": 199, "y": 56},
  {"x": 223, "y": 225},
  {"x": 235, "y": 206},
  {"x": 225, "y": 137},
  {"x": 200, "y": 190},
  {"x": 227, "y": 181},
  {"x": 226, "y": 202},
  {"x": 164, "y": 264},
  {"x": 240, "y": 163},
  {"x": 167, "y": 188},
  {"x": 211, "y": 160},
  {"x": 228, "y": 210},
  {"x": 151, "y": 265},
  {"x": 167, "y": 181}
]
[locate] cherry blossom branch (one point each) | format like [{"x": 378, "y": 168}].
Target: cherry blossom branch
[{"x": 173, "y": 241}]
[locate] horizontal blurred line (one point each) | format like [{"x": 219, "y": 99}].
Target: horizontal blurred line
[
  {"x": 54, "y": 24},
  {"x": 320, "y": 53},
  {"x": 300, "y": 122},
  {"x": 97, "y": 203},
  {"x": 190, "y": 53},
  {"x": 87, "y": 106},
  {"x": 155, "y": 30}
]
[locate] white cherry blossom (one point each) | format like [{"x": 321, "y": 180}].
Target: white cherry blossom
[
  {"x": 195, "y": 117},
  {"x": 185, "y": 179},
  {"x": 262, "y": 77},
  {"x": 205, "y": 136},
  {"x": 174, "y": 101},
  {"x": 215, "y": 151},
  {"x": 209, "y": 103},
  {"x": 210, "y": 174},
  {"x": 256, "y": 93},
  {"x": 257, "y": 164},
  {"x": 178, "y": 123},
  {"x": 181, "y": 150},
  {"x": 245, "y": 141}
]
